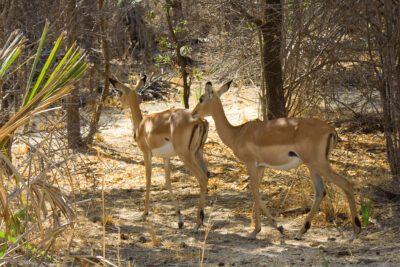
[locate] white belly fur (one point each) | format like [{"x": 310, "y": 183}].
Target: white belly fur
[
  {"x": 165, "y": 151},
  {"x": 294, "y": 163}
]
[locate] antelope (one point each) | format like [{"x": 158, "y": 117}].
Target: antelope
[
  {"x": 166, "y": 134},
  {"x": 283, "y": 143}
]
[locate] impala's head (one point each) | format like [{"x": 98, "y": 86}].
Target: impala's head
[
  {"x": 208, "y": 100},
  {"x": 128, "y": 93}
]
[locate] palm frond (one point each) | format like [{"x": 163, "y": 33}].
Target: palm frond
[{"x": 44, "y": 91}]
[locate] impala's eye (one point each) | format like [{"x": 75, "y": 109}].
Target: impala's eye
[{"x": 201, "y": 100}]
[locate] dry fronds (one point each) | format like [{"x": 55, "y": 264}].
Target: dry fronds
[{"x": 53, "y": 196}]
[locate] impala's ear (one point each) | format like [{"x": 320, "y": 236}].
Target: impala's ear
[
  {"x": 224, "y": 88},
  {"x": 113, "y": 81},
  {"x": 120, "y": 86},
  {"x": 209, "y": 91},
  {"x": 141, "y": 82},
  {"x": 144, "y": 79}
]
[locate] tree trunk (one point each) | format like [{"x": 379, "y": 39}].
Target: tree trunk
[
  {"x": 104, "y": 44},
  {"x": 73, "y": 117},
  {"x": 73, "y": 120},
  {"x": 271, "y": 31},
  {"x": 390, "y": 91}
]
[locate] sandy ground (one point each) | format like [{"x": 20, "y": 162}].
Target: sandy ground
[{"x": 158, "y": 241}]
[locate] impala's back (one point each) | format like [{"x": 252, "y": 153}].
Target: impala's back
[{"x": 283, "y": 143}]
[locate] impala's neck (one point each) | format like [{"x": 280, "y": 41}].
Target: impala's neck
[
  {"x": 135, "y": 109},
  {"x": 225, "y": 130}
]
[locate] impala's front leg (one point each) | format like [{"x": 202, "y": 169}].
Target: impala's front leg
[
  {"x": 147, "y": 164},
  {"x": 167, "y": 169},
  {"x": 256, "y": 174},
  {"x": 254, "y": 186}
]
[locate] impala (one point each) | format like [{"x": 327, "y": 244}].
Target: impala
[
  {"x": 166, "y": 134},
  {"x": 283, "y": 143}
]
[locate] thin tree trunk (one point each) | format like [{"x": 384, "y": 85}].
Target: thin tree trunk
[
  {"x": 177, "y": 15},
  {"x": 104, "y": 44},
  {"x": 263, "y": 89},
  {"x": 180, "y": 60},
  {"x": 177, "y": 11}
]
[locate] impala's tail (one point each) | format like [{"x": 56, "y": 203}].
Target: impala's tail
[
  {"x": 332, "y": 141},
  {"x": 198, "y": 136},
  {"x": 197, "y": 140}
]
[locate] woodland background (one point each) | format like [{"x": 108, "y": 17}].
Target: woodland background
[{"x": 334, "y": 60}]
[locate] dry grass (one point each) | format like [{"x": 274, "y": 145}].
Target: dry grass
[
  {"x": 203, "y": 248},
  {"x": 124, "y": 187},
  {"x": 98, "y": 137},
  {"x": 111, "y": 102},
  {"x": 154, "y": 238},
  {"x": 108, "y": 220}
]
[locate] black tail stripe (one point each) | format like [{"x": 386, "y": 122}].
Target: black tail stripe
[
  {"x": 204, "y": 133},
  {"x": 191, "y": 136},
  {"x": 332, "y": 137},
  {"x": 202, "y": 127}
]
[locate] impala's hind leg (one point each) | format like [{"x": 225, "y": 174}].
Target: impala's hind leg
[
  {"x": 201, "y": 162},
  {"x": 319, "y": 192},
  {"x": 327, "y": 172},
  {"x": 167, "y": 169},
  {"x": 201, "y": 176}
]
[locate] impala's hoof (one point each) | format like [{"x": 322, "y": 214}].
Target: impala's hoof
[
  {"x": 144, "y": 216},
  {"x": 297, "y": 237},
  {"x": 358, "y": 224},
  {"x": 195, "y": 229},
  {"x": 180, "y": 224},
  {"x": 280, "y": 229},
  {"x": 252, "y": 236},
  {"x": 352, "y": 238}
]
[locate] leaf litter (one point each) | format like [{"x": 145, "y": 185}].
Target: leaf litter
[{"x": 359, "y": 157}]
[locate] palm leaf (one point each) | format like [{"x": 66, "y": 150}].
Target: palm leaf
[
  {"x": 9, "y": 60},
  {"x": 44, "y": 92},
  {"x": 35, "y": 62},
  {"x": 46, "y": 67}
]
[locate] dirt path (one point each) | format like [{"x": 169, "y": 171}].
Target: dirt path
[{"x": 158, "y": 241}]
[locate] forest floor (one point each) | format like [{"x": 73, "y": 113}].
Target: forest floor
[{"x": 158, "y": 241}]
